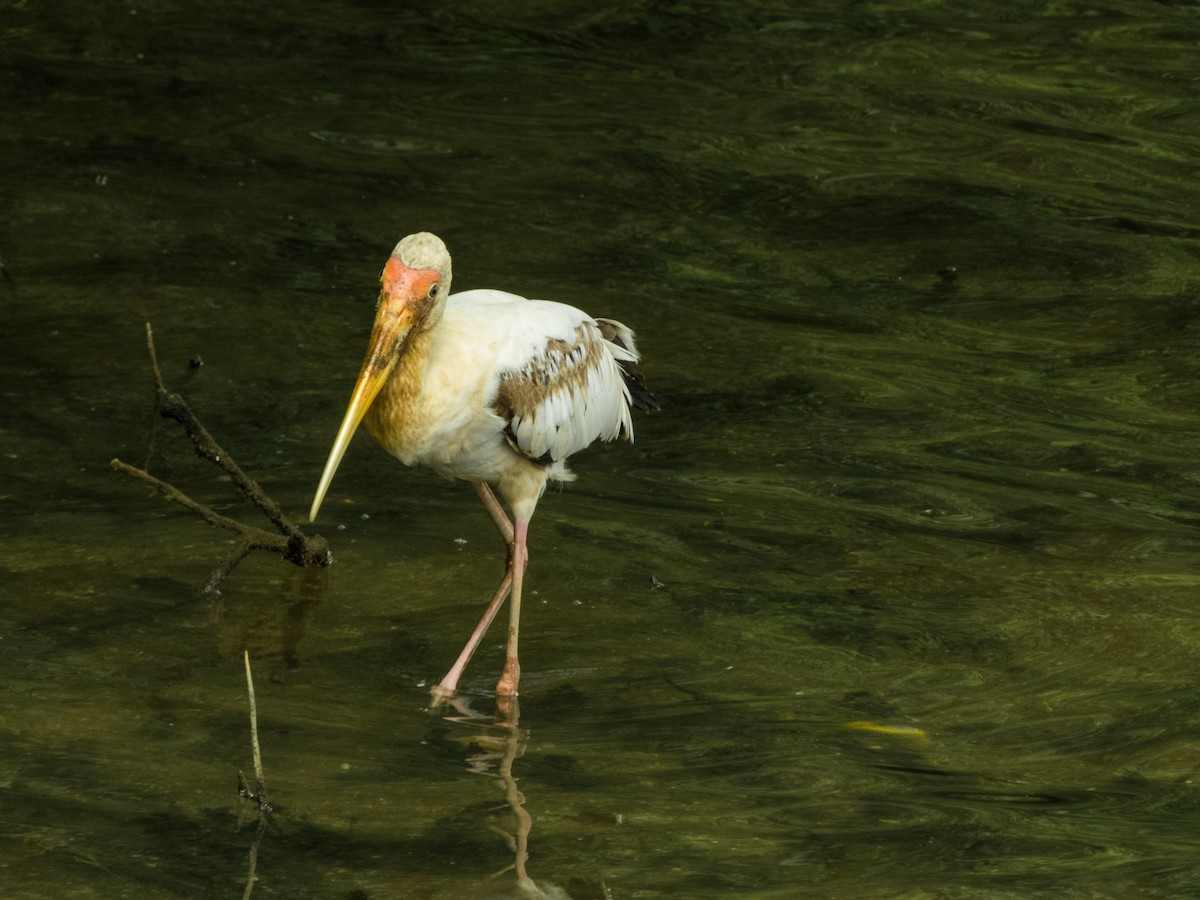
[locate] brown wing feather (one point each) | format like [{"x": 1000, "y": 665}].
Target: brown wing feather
[
  {"x": 522, "y": 392},
  {"x": 567, "y": 396}
]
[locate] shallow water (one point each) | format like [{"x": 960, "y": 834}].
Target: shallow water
[{"x": 894, "y": 597}]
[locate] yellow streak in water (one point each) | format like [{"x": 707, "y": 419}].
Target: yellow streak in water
[{"x": 908, "y": 731}]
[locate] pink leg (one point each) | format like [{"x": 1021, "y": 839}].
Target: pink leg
[
  {"x": 492, "y": 505},
  {"x": 449, "y": 684},
  {"x": 518, "y": 559}
]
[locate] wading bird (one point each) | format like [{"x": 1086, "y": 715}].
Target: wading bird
[{"x": 490, "y": 388}]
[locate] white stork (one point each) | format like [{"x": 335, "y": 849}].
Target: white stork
[{"x": 490, "y": 388}]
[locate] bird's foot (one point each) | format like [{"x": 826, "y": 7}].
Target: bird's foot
[
  {"x": 440, "y": 695},
  {"x": 507, "y": 686}
]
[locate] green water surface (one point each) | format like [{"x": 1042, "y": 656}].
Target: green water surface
[{"x": 895, "y": 597}]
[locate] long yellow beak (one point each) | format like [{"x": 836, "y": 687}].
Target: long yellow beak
[{"x": 389, "y": 337}]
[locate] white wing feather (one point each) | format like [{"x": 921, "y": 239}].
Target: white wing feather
[{"x": 554, "y": 366}]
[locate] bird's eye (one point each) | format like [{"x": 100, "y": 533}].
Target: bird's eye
[{"x": 434, "y": 290}]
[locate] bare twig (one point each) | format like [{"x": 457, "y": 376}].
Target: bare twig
[
  {"x": 153, "y": 356},
  {"x": 258, "y": 766},
  {"x": 259, "y": 794},
  {"x": 290, "y": 542},
  {"x": 307, "y": 551}
]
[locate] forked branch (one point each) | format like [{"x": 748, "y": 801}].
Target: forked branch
[{"x": 287, "y": 540}]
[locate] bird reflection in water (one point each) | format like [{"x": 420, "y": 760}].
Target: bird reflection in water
[{"x": 498, "y": 743}]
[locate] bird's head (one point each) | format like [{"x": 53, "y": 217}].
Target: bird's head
[{"x": 413, "y": 287}]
